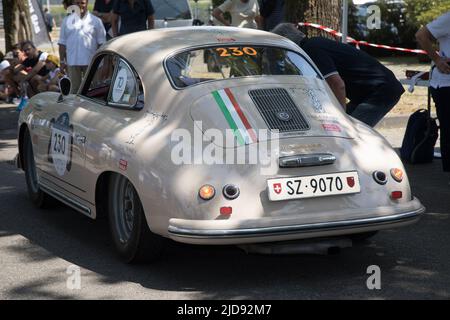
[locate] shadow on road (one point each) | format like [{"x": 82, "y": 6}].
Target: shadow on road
[
  {"x": 414, "y": 260},
  {"x": 8, "y": 117}
]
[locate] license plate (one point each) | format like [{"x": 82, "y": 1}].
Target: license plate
[{"x": 313, "y": 186}]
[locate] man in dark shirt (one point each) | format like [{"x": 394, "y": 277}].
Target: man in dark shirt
[
  {"x": 135, "y": 15},
  {"x": 272, "y": 12},
  {"x": 373, "y": 90},
  {"x": 28, "y": 73},
  {"x": 103, "y": 10}
]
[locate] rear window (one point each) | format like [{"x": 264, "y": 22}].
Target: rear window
[
  {"x": 225, "y": 62},
  {"x": 171, "y": 9}
]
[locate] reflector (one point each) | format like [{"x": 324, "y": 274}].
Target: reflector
[
  {"x": 226, "y": 211},
  {"x": 396, "y": 195}
]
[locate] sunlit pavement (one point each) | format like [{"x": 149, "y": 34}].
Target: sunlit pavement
[{"x": 38, "y": 246}]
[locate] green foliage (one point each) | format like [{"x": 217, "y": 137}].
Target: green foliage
[
  {"x": 399, "y": 23},
  {"x": 421, "y": 12}
]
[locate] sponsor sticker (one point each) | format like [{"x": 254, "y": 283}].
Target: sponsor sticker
[
  {"x": 119, "y": 85},
  {"x": 123, "y": 164},
  {"x": 60, "y": 145},
  {"x": 226, "y": 39},
  {"x": 331, "y": 127}
]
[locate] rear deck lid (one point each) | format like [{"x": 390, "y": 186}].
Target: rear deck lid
[{"x": 252, "y": 112}]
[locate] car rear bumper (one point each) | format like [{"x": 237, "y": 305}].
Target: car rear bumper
[{"x": 221, "y": 232}]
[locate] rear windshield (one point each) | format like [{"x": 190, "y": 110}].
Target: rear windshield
[
  {"x": 171, "y": 9},
  {"x": 217, "y": 63}
]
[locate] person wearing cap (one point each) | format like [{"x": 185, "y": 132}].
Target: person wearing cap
[
  {"x": 4, "y": 69},
  {"x": 438, "y": 31},
  {"x": 15, "y": 57},
  {"x": 4, "y": 65},
  {"x": 373, "y": 89},
  {"x": 51, "y": 81}
]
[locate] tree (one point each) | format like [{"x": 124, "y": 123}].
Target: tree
[
  {"x": 324, "y": 12},
  {"x": 421, "y": 12},
  {"x": 16, "y": 20}
]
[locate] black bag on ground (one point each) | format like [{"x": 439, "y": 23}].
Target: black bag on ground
[{"x": 420, "y": 137}]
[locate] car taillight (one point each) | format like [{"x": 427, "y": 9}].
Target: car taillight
[
  {"x": 397, "y": 174},
  {"x": 395, "y": 195},
  {"x": 207, "y": 192},
  {"x": 226, "y": 211}
]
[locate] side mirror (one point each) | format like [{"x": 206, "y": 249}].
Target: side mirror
[{"x": 65, "y": 85}]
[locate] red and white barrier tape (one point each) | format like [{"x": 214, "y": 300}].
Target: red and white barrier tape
[{"x": 362, "y": 43}]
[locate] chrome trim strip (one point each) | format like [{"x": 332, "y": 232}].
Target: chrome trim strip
[
  {"x": 306, "y": 160},
  {"x": 65, "y": 199},
  {"x": 283, "y": 230}
]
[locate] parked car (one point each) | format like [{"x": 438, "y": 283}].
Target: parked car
[
  {"x": 133, "y": 145},
  {"x": 172, "y": 13}
]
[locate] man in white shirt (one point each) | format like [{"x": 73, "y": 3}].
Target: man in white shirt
[
  {"x": 439, "y": 30},
  {"x": 244, "y": 13},
  {"x": 80, "y": 37}
]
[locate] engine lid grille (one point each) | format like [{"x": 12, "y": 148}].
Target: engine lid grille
[{"x": 279, "y": 110}]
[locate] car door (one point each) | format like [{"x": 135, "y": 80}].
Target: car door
[
  {"x": 61, "y": 154},
  {"x": 63, "y": 139}
]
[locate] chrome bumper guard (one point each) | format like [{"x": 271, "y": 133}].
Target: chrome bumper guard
[{"x": 294, "y": 229}]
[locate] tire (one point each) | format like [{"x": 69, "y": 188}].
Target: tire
[
  {"x": 361, "y": 237},
  {"x": 131, "y": 235},
  {"x": 38, "y": 197}
]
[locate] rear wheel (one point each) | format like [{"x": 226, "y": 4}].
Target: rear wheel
[
  {"x": 129, "y": 229},
  {"x": 361, "y": 237},
  {"x": 38, "y": 197}
]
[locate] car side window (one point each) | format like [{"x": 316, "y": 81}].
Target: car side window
[
  {"x": 98, "y": 83},
  {"x": 126, "y": 89}
]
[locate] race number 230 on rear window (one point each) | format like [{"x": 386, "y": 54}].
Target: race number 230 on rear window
[{"x": 236, "y": 51}]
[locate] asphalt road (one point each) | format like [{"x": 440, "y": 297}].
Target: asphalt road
[{"x": 38, "y": 246}]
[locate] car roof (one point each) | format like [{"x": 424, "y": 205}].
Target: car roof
[
  {"x": 147, "y": 50},
  {"x": 137, "y": 47}
]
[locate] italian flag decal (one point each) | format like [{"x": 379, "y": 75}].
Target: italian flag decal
[{"x": 236, "y": 119}]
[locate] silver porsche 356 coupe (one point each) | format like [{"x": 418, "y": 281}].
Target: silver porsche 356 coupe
[{"x": 252, "y": 150}]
